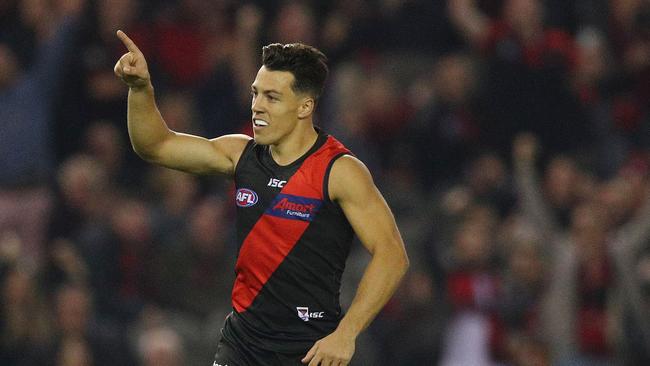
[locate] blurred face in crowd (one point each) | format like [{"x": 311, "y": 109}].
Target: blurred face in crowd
[
  {"x": 592, "y": 56},
  {"x": 104, "y": 142},
  {"x": 116, "y": 14},
  {"x": 74, "y": 352},
  {"x": 73, "y": 310},
  {"x": 589, "y": 225},
  {"x": 131, "y": 223},
  {"x": 208, "y": 223},
  {"x": 454, "y": 79},
  {"x": 9, "y": 67},
  {"x": 486, "y": 173},
  {"x": 526, "y": 264},
  {"x": 83, "y": 181},
  {"x": 560, "y": 181},
  {"x": 295, "y": 23},
  {"x": 160, "y": 347},
  {"x": 17, "y": 289},
  {"x": 178, "y": 190},
  {"x": 523, "y": 15},
  {"x": 617, "y": 195},
  {"x": 276, "y": 107},
  {"x": 472, "y": 244}
]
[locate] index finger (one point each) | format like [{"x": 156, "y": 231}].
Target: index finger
[{"x": 127, "y": 42}]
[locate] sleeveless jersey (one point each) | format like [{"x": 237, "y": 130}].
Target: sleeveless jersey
[{"x": 293, "y": 244}]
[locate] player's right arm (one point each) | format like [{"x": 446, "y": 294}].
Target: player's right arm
[{"x": 150, "y": 137}]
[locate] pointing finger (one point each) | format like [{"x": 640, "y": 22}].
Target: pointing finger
[
  {"x": 310, "y": 354},
  {"x": 127, "y": 42}
]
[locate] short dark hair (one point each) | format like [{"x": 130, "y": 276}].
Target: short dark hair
[{"x": 307, "y": 64}]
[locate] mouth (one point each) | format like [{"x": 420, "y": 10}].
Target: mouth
[{"x": 259, "y": 123}]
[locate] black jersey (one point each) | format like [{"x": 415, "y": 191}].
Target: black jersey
[{"x": 293, "y": 244}]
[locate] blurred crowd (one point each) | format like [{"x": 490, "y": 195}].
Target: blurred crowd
[{"x": 510, "y": 137}]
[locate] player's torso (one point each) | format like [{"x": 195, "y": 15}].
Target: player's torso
[{"x": 293, "y": 245}]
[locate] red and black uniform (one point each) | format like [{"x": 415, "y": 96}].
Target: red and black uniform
[{"x": 293, "y": 244}]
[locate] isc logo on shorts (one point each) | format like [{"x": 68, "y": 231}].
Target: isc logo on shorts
[
  {"x": 245, "y": 197},
  {"x": 304, "y": 314}
]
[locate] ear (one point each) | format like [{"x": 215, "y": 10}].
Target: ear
[{"x": 306, "y": 108}]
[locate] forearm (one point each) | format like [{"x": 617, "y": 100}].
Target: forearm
[
  {"x": 147, "y": 129},
  {"x": 636, "y": 232},
  {"x": 379, "y": 282},
  {"x": 532, "y": 203}
]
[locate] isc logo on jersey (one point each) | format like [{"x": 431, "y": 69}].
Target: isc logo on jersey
[
  {"x": 276, "y": 183},
  {"x": 305, "y": 315},
  {"x": 245, "y": 197}
]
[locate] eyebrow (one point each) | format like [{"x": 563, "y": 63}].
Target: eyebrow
[{"x": 268, "y": 91}]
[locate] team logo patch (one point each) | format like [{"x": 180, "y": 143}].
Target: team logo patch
[
  {"x": 305, "y": 315},
  {"x": 294, "y": 207},
  {"x": 245, "y": 197}
]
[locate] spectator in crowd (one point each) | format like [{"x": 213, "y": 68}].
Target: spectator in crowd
[
  {"x": 27, "y": 96},
  {"x": 527, "y": 65},
  {"x": 586, "y": 265},
  {"x": 80, "y": 337},
  {"x": 25, "y": 319},
  {"x": 160, "y": 346}
]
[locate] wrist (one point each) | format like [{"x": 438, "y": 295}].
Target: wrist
[
  {"x": 145, "y": 87},
  {"x": 348, "y": 331}
]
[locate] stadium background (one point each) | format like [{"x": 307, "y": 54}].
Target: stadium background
[{"x": 517, "y": 170}]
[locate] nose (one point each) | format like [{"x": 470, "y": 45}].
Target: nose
[{"x": 256, "y": 104}]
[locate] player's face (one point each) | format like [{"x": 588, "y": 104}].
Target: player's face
[{"x": 275, "y": 106}]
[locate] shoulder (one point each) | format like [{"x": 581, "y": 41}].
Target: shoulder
[
  {"x": 233, "y": 145},
  {"x": 348, "y": 178},
  {"x": 233, "y": 141}
]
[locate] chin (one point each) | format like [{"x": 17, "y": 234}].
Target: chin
[{"x": 260, "y": 140}]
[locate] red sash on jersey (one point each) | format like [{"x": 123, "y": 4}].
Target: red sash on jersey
[{"x": 282, "y": 225}]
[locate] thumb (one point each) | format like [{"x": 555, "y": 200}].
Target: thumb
[{"x": 310, "y": 354}]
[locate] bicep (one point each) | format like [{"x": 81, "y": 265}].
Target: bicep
[
  {"x": 352, "y": 187},
  {"x": 199, "y": 155}
]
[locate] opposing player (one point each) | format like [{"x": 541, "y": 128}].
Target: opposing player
[{"x": 300, "y": 197}]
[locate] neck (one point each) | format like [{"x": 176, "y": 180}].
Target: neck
[{"x": 295, "y": 144}]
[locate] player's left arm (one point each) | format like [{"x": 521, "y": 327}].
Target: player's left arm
[{"x": 352, "y": 187}]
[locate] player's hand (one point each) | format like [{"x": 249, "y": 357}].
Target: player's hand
[
  {"x": 132, "y": 66},
  {"x": 334, "y": 350}
]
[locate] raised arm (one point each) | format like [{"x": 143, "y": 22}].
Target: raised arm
[
  {"x": 352, "y": 187},
  {"x": 469, "y": 20},
  {"x": 153, "y": 141},
  {"x": 627, "y": 245},
  {"x": 532, "y": 204},
  {"x": 636, "y": 232}
]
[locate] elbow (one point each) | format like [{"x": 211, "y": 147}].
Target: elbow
[
  {"x": 405, "y": 263},
  {"x": 144, "y": 154},
  {"x": 401, "y": 261},
  {"x": 149, "y": 152}
]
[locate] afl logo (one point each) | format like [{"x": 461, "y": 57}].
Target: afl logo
[{"x": 245, "y": 197}]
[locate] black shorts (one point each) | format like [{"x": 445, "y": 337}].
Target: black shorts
[{"x": 237, "y": 354}]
